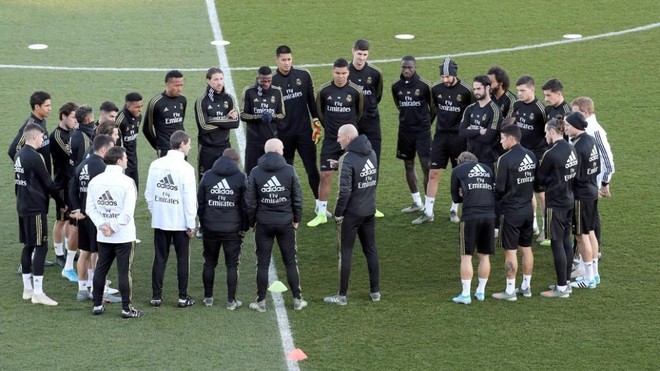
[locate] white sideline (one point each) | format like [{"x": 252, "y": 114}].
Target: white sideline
[
  {"x": 315, "y": 65},
  {"x": 280, "y": 310}
]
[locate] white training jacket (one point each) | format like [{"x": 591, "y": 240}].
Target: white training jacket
[
  {"x": 111, "y": 198},
  {"x": 171, "y": 193},
  {"x": 604, "y": 150}
]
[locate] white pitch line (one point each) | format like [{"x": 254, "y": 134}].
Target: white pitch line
[
  {"x": 280, "y": 310},
  {"x": 316, "y": 65}
]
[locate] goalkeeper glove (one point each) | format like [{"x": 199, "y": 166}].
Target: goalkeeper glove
[{"x": 317, "y": 132}]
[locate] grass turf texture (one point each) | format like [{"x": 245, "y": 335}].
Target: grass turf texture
[{"x": 415, "y": 326}]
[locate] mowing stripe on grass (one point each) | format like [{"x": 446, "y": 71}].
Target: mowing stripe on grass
[
  {"x": 282, "y": 318},
  {"x": 315, "y": 65}
]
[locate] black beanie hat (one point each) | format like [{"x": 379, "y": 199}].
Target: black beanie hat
[
  {"x": 448, "y": 68},
  {"x": 576, "y": 120}
]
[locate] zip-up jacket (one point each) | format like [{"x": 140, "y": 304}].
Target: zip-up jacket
[
  {"x": 221, "y": 198},
  {"x": 412, "y": 97},
  {"x": 486, "y": 147},
  {"x": 273, "y": 192},
  {"x": 450, "y": 102},
  {"x": 81, "y": 139},
  {"x": 585, "y": 187},
  {"x": 298, "y": 93},
  {"x": 514, "y": 180},
  {"x": 171, "y": 193},
  {"x": 129, "y": 128},
  {"x": 111, "y": 200},
  {"x": 86, "y": 171},
  {"x": 33, "y": 183},
  {"x": 475, "y": 180},
  {"x": 19, "y": 141},
  {"x": 557, "y": 171},
  {"x": 164, "y": 116},
  {"x": 358, "y": 178},
  {"x": 211, "y": 112},
  {"x": 256, "y": 102},
  {"x": 606, "y": 157}
]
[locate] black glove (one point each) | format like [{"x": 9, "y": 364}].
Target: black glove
[{"x": 266, "y": 117}]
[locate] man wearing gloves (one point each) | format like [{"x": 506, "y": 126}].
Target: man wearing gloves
[
  {"x": 172, "y": 200},
  {"x": 354, "y": 213}
]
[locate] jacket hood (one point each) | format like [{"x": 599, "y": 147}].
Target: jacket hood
[
  {"x": 360, "y": 145},
  {"x": 271, "y": 161},
  {"x": 225, "y": 166}
]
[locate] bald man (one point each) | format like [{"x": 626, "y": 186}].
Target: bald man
[
  {"x": 354, "y": 213},
  {"x": 274, "y": 207}
]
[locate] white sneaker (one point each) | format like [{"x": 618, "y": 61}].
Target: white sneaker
[
  {"x": 109, "y": 290},
  {"x": 413, "y": 208},
  {"x": 43, "y": 299},
  {"x": 27, "y": 294},
  {"x": 453, "y": 217}
]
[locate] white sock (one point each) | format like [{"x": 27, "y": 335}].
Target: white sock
[
  {"x": 535, "y": 223},
  {"x": 66, "y": 243},
  {"x": 417, "y": 199},
  {"x": 70, "y": 257},
  {"x": 582, "y": 264},
  {"x": 428, "y": 205},
  {"x": 510, "y": 286},
  {"x": 526, "y": 282},
  {"x": 454, "y": 207},
  {"x": 90, "y": 278},
  {"x": 322, "y": 206},
  {"x": 482, "y": 285},
  {"x": 466, "y": 287},
  {"x": 543, "y": 222},
  {"x": 59, "y": 250},
  {"x": 82, "y": 285},
  {"x": 38, "y": 288},
  {"x": 595, "y": 267},
  {"x": 588, "y": 272},
  {"x": 562, "y": 288},
  {"x": 316, "y": 207},
  {"x": 27, "y": 281}
]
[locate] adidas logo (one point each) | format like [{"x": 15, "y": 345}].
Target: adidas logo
[
  {"x": 84, "y": 173},
  {"x": 368, "y": 169},
  {"x": 222, "y": 188},
  {"x": 106, "y": 199},
  {"x": 167, "y": 183},
  {"x": 572, "y": 161},
  {"x": 166, "y": 109},
  {"x": 478, "y": 171},
  {"x": 526, "y": 164},
  {"x": 272, "y": 185},
  {"x": 594, "y": 154},
  {"x": 18, "y": 168}
]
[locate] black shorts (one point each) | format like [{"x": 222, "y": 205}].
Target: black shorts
[
  {"x": 477, "y": 234},
  {"x": 87, "y": 236},
  {"x": 61, "y": 216},
  {"x": 33, "y": 230},
  {"x": 516, "y": 230},
  {"x": 410, "y": 143},
  {"x": 584, "y": 216},
  {"x": 206, "y": 156},
  {"x": 446, "y": 147},
  {"x": 557, "y": 221},
  {"x": 330, "y": 151}
]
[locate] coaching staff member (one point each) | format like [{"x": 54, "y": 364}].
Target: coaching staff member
[
  {"x": 472, "y": 185},
  {"x": 172, "y": 200},
  {"x": 274, "y": 203},
  {"x": 110, "y": 204},
  {"x": 356, "y": 205},
  {"x": 223, "y": 216},
  {"x": 165, "y": 113},
  {"x": 33, "y": 185}
]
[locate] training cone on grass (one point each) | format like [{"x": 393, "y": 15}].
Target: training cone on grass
[
  {"x": 296, "y": 355},
  {"x": 277, "y": 286}
]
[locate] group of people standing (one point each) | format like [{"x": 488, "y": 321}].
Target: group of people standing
[{"x": 503, "y": 150}]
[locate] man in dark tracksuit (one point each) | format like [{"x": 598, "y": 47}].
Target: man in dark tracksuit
[
  {"x": 356, "y": 205},
  {"x": 223, "y": 216},
  {"x": 472, "y": 185},
  {"x": 274, "y": 206},
  {"x": 556, "y": 172},
  {"x": 33, "y": 186},
  {"x": 165, "y": 114},
  {"x": 128, "y": 123},
  {"x": 263, "y": 109}
]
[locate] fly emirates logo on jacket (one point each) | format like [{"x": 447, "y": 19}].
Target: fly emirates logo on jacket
[
  {"x": 270, "y": 192},
  {"x": 367, "y": 175},
  {"x": 169, "y": 191},
  {"x": 221, "y": 190}
]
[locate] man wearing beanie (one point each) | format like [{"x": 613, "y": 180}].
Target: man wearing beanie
[
  {"x": 585, "y": 190},
  {"x": 451, "y": 97},
  {"x": 263, "y": 108}
]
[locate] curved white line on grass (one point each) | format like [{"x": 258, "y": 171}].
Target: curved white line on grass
[
  {"x": 280, "y": 311},
  {"x": 315, "y": 65}
]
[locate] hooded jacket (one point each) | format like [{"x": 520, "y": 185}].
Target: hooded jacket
[
  {"x": 221, "y": 198},
  {"x": 358, "y": 177},
  {"x": 273, "y": 192}
]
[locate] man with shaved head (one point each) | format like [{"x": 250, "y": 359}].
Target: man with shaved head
[
  {"x": 356, "y": 206},
  {"x": 274, "y": 209}
]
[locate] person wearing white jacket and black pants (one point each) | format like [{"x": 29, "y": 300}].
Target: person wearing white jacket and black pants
[
  {"x": 171, "y": 194},
  {"x": 110, "y": 204}
]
